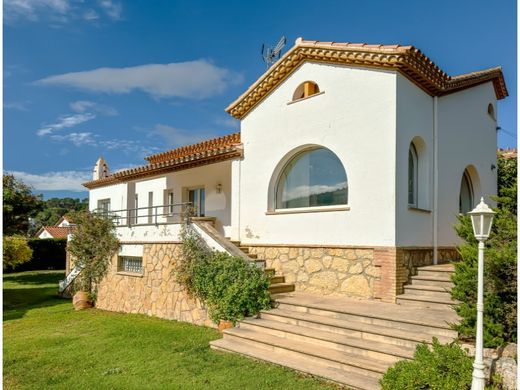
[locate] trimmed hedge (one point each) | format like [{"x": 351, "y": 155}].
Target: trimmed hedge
[{"x": 48, "y": 253}]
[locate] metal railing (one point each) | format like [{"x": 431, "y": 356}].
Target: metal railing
[{"x": 149, "y": 215}]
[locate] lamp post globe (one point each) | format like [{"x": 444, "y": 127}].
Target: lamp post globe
[{"x": 481, "y": 220}]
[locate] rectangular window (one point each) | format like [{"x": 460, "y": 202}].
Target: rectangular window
[
  {"x": 197, "y": 198},
  {"x": 170, "y": 202},
  {"x": 136, "y": 206},
  {"x": 104, "y": 205},
  {"x": 131, "y": 264}
]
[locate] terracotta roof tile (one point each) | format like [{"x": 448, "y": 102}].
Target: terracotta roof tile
[
  {"x": 57, "y": 232},
  {"x": 408, "y": 60},
  {"x": 203, "y": 153}
]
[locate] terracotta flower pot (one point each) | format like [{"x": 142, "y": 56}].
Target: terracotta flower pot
[
  {"x": 224, "y": 324},
  {"x": 81, "y": 300}
]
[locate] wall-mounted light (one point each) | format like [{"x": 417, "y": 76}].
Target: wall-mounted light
[
  {"x": 493, "y": 167},
  {"x": 219, "y": 188}
]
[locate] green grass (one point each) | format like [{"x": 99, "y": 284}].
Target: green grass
[{"x": 49, "y": 345}]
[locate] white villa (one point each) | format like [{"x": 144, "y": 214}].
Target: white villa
[{"x": 348, "y": 173}]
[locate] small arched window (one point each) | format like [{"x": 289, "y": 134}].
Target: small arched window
[
  {"x": 306, "y": 89},
  {"x": 413, "y": 169},
  {"x": 312, "y": 178},
  {"x": 491, "y": 111},
  {"x": 466, "y": 193}
]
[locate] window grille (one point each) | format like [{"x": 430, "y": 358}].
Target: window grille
[{"x": 130, "y": 264}]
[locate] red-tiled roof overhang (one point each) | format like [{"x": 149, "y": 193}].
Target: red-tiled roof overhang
[
  {"x": 56, "y": 231},
  {"x": 408, "y": 60},
  {"x": 204, "y": 153}
]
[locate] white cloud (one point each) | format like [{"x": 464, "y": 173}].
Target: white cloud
[
  {"x": 229, "y": 122},
  {"x": 66, "y": 121},
  {"x": 179, "y": 137},
  {"x": 77, "y": 139},
  {"x": 112, "y": 8},
  {"x": 81, "y": 106},
  {"x": 20, "y": 106},
  {"x": 301, "y": 191},
  {"x": 90, "y": 14},
  {"x": 192, "y": 79},
  {"x": 55, "y": 181},
  {"x": 31, "y": 9}
]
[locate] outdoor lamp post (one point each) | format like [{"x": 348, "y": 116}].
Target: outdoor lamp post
[{"x": 481, "y": 219}]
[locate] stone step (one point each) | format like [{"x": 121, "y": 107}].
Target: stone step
[
  {"x": 279, "y": 288},
  {"x": 301, "y": 364},
  {"x": 432, "y": 321},
  {"x": 254, "y": 256},
  {"x": 439, "y": 293},
  {"x": 235, "y": 243},
  {"x": 244, "y": 249},
  {"x": 436, "y": 273},
  {"x": 424, "y": 301},
  {"x": 270, "y": 271},
  {"x": 277, "y": 279},
  {"x": 432, "y": 281},
  {"x": 352, "y": 345},
  {"x": 363, "y": 331},
  {"x": 448, "y": 267},
  {"x": 346, "y": 362}
]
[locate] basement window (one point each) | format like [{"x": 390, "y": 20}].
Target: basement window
[
  {"x": 130, "y": 264},
  {"x": 306, "y": 89}
]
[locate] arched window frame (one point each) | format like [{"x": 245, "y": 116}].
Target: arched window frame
[
  {"x": 279, "y": 173},
  {"x": 467, "y": 177},
  {"x": 306, "y": 89},
  {"x": 413, "y": 176}
]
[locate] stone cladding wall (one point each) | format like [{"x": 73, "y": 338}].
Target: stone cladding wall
[
  {"x": 326, "y": 271},
  {"x": 155, "y": 292}
]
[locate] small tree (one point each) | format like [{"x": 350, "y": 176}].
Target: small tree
[
  {"x": 500, "y": 276},
  {"x": 19, "y": 204},
  {"x": 16, "y": 251},
  {"x": 92, "y": 246}
]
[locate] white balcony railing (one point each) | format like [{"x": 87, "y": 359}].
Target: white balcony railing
[{"x": 150, "y": 215}]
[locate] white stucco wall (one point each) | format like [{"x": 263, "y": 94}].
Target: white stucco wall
[
  {"x": 354, "y": 118},
  {"x": 414, "y": 119},
  {"x": 45, "y": 234},
  {"x": 209, "y": 176},
  {"x": 467, "y": 136}
]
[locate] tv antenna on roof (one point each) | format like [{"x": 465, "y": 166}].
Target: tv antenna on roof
[{"x": 271, "y": 54}]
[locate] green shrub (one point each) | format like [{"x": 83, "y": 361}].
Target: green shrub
[
  {"x": 444, "y": 367},
  {"x": 15, "y": 251},
  {"x": 500, "y": 268},
  {"x": 230, "y": 287},
  {"x": 92, "y": 246}
]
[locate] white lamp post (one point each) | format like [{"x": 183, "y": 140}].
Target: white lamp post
[{"x": 481, "y": 219}]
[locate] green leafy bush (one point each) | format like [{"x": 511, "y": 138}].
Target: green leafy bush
[
  {"x": 92, "y": 246},
  {"x": 231, "y": 287},
  {"x": 15, "y": 251},
  {"x": 444, "y": 367},
  {"x": 49, "y": 253},
  {"x": 500, "y": 268}
]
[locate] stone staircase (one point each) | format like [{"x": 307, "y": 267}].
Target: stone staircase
[
  {"x": 278, "y": 284},
  {"x": 347, "y": 341},
  {"x": 429, "y": 288}
]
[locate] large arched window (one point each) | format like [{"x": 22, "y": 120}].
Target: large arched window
[
  {"x": 312, "y": 178},
  {"x": 466, "y": 193}
]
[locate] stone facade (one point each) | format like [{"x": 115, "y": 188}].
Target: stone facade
[
  {"x": 154, "y": 292},
  {"x": 327, "y": 271},
  {"x": 378, "y": 273}
]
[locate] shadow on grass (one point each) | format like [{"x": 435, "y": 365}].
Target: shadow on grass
[
  {"x": 35, "y": 278},
  {"x": 21, "y": 296}
]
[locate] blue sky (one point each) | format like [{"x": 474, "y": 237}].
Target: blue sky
[{"x": 125, "y": 79}]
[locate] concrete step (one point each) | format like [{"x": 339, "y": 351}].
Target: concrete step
[
  {"x": 244, "y": 249},
  {"x": 425, "y": 301},
  {"x": 346, "y": 362},
  {"x": 447, "y": 267},
  {"x": 254, "y": 256},
  {"x": 434, "y": 321},
  {"x": 235, "y": 243},
  {"x": 436, "y": 273},
  {"x": 432, "y": 281},
  {"x": 277, "y": 279},
  {"x": 360, "y": 330},
  {"x": 279, "y": 288},
  {"x": 352, "y": 345},
  {"x": 270, "y": 271},
  {"x": 428, "y": 291},
  {"x": 301, "y": 364}
]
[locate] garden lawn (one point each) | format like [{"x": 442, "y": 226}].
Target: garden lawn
[{"x": 49, "y": 345}]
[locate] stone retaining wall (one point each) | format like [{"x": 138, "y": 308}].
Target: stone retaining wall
[
  {"x": 153, "y": 293},
  {"x": 327, "y": 271}
]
